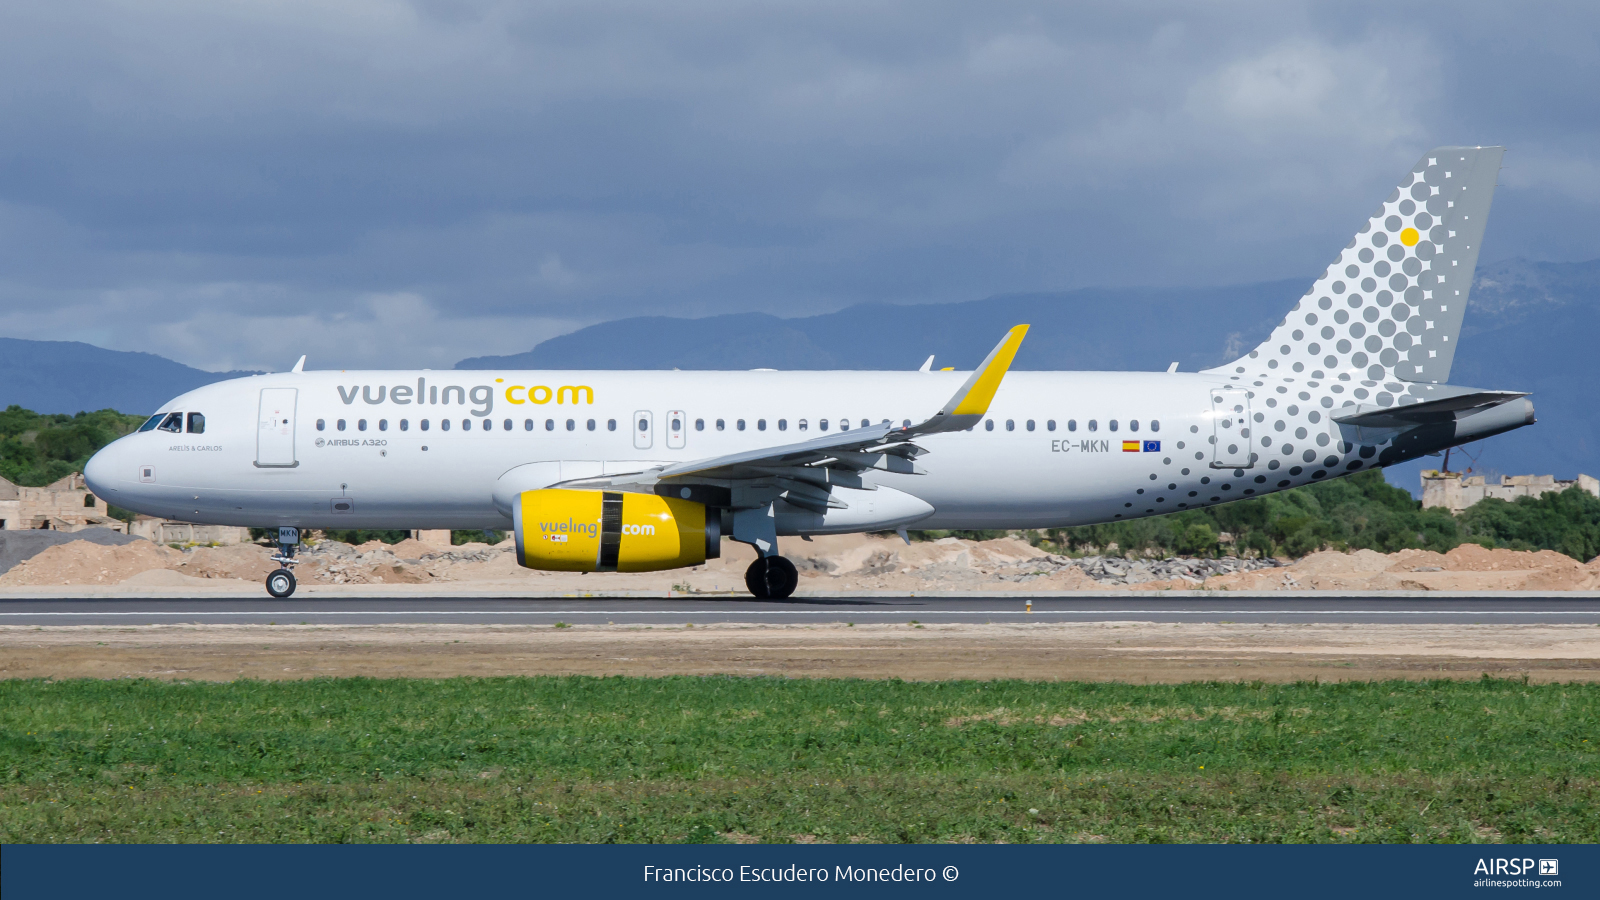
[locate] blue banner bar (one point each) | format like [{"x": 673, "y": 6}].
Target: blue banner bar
[{"x": 305, "y": 872}]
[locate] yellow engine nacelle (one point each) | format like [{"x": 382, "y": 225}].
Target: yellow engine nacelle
[{"x": 612, "y": 531}]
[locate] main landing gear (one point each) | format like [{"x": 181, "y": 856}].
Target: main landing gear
[
  {"x": 281, "y": 583},
  {"x": 771, "y": 578}
]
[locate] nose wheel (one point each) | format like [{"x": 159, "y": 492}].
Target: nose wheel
[
  {"x": 281, "y": 583},
  {"x": 771, "y": 578}
]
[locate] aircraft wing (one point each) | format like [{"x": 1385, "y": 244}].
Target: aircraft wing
[{"x": 839, "y": 458}]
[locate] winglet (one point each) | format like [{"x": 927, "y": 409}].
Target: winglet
[
  {"x": 974, "y": 396},
  {"x": 299, "y": 366},
  {"x": 969, "y": 404},
  {"x": 927, "y": 365}
]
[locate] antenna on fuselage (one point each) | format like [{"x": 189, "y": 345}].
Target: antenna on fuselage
[{"x": 299, "y": 366}]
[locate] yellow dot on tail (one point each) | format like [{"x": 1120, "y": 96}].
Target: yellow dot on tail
[{"x": 1409, "y": 237}]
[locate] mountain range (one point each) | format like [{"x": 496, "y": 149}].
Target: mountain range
[
  {"x": 69, "y": 377},
  {"x": 1530, "y": 326}
]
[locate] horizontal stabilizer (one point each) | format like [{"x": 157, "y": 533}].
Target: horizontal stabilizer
[{"x": 1427, "y": 413}]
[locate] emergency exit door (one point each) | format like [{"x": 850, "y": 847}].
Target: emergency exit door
[
  {"x": 275, "y": 428},
  {"x": 643, "y": 430}
]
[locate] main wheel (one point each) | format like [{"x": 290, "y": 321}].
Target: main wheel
[
  {"x": 281, "y": 583},
  {"x": 771, "y": 578}
]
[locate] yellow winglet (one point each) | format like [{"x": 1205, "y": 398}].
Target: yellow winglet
[{"x": 974, "y": 397}]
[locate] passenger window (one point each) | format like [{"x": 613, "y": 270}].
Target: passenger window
[
  {"x": 506, "y": 426},
  {"x": 1133, "y": 425},
  {"x": 549, "y": 424},
  {"x": 197, "y": 423},
  {"x": 1113, "y": 424},
  {"x": 761, "y": 424},
  {"x": 444, "y": 425},
  {"x": 572, "y": 425},
  {"x": 339, "y": 424},
  {"x": 466, "y": 424},
  {"x": 1011, "y": 424},
  {"x": 383, "y": 424},
  {"x": 424, "y": 424},
  {"x": 1072, "y": 424},
  {"x": 739, "y": 425},
  {"x": 1093, "y": 425},
  {"x": 527, "y": 424},
  {"x": 699, "y": 424},
  {"x": 151, "y": 423},
  {"x": 591, "y": 424},
  {"x": 405, "y": 424},
  {"x": 677, "y": 425},
  {"x": 611, "y": 424},
  {"x": 1050, "y": 425},
  {"x": 822, "y": 424},
  {"x": 487, "y": 425},
  {"x": 322, "y": 424},
  {"x": 173, "y": 423},
  {"x": 801, "y": 425},
  {"x": 1154, "y": 425},
  {"x": 988, "y": 424},
  {"x": 721, "y": 425},
  {"x": 361, "y": 425},
  {"x": 783, "y": 424},
  {"x": 1030, "y": 424}
]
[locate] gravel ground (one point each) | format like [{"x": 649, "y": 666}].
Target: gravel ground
[{"x": 1130, "y": 651}]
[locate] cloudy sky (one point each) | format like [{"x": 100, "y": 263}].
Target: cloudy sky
[{"x": 396, "y": 183}]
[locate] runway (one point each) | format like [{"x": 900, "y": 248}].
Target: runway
[{"x": 1519, "y": 609}]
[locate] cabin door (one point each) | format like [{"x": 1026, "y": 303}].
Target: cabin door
[
  {"x": 275, "y": 428},
  {"x": 1230, "y": 421}
]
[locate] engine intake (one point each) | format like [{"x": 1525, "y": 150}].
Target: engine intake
[{"x": 612, "y": 531}]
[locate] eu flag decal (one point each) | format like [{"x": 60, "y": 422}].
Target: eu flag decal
[{"x": 1152, "y": 446}]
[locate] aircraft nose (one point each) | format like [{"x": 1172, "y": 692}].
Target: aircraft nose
[{"x": 98, "y": 472}]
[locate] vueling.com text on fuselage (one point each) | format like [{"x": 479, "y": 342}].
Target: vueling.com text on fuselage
[{"x": 480, "y": 396}]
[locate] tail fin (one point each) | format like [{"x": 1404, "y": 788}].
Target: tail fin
[{"x": 1390, "y": 307}]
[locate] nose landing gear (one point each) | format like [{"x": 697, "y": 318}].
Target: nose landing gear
[
  {"x": 281, "y": 583},
  {"x": 771, "y": 578}
]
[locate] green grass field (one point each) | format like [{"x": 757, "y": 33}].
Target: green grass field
[{"x": 708, "y": 759}]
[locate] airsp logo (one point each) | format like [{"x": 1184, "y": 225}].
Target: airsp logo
[{"x": 1549, "y": 867}]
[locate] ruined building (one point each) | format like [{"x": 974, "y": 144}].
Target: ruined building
[
  {"x": 65, "y": 505},
  {"x": 1456, "y": 492}
]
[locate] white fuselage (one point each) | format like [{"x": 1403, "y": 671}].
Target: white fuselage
[{"x": 350, "y": 451}]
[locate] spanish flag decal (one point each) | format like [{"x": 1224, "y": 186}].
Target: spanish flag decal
[{"x": 1130, "y": 446}]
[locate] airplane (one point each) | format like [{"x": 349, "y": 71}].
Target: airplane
[{"x": 599, "y": 471}]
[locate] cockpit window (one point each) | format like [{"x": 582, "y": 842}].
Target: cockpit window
[
  {"x": 173, "y": 423},
  {"x": 151, "y": 423},
  {"x": 197, "y": 423}
]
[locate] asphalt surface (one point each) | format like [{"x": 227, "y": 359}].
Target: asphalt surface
[{"x": 1522, "y": 609}]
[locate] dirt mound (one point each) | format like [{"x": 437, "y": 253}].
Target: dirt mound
[
  {"x": 1332, "y": 562},
  {"x": 1468, "y": 567},
  {"x": 248, "y": 561},
  {"x": 85, "y": 562},
  {"x": 16, "y": 546}
]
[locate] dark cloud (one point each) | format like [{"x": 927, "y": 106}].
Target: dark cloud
[{"x": 385, "y": 183}]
